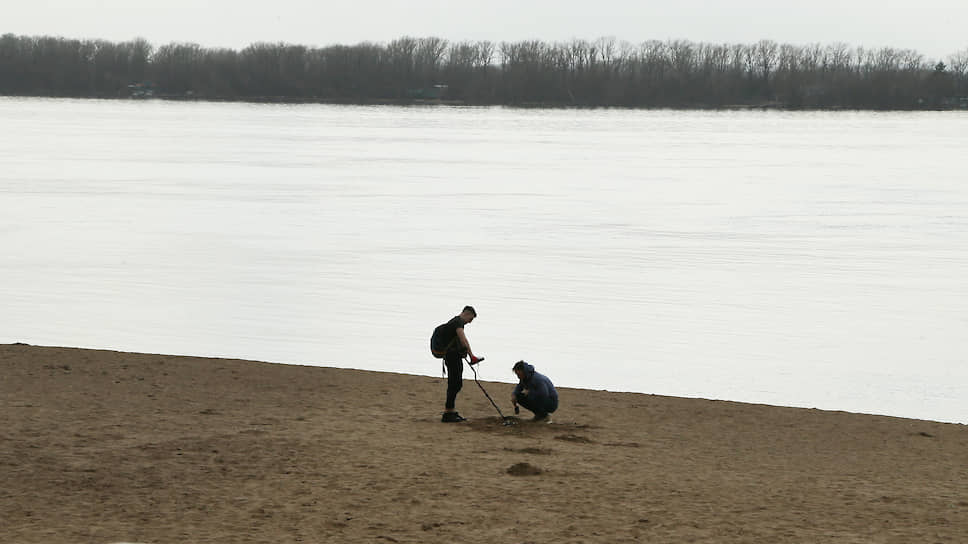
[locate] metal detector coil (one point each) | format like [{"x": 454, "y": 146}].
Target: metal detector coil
[{"x": 506, "y": 420}]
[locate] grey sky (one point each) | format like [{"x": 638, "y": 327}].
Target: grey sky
[{"x": 936, "y": 28}]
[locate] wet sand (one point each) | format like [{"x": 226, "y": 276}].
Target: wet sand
[{"x": 102, "y": 447}]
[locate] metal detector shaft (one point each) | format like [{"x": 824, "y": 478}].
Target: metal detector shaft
[{"x": 503, "y": 417}]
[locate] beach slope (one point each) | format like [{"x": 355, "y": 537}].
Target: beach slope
[{"x": 102, "y": 447}]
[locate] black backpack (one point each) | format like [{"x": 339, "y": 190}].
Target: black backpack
[{"x": 437, "y": 348}]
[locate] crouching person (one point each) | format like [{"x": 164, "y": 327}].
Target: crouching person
[{"x": 535, "y": 392}]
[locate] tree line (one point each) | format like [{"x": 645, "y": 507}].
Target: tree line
[{"x": 599, "y": 73}]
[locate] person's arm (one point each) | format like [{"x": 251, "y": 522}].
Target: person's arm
[
  {"x": 465, "y": 343},
  {"x": 514, "y": 394}
]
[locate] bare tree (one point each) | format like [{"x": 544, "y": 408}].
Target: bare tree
[{"x": 958, "y": 63}]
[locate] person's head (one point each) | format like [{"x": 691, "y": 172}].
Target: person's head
[
  {"x": 519, "y": 369},
  {"x": 468, "y": 314}
]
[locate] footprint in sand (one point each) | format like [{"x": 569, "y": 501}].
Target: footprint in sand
[
  {"x": 574, "y": 438},
  {"x": 523, "y": 469}
]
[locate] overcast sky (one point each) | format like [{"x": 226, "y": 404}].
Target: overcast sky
[{"x": 936, "y": 28}]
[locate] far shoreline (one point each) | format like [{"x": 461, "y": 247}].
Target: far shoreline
[{"x": 419, "y": 102}]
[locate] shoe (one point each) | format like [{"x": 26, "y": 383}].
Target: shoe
[
  {"x": 541, "y": 418},
  {"x": 452, "y": 417}
]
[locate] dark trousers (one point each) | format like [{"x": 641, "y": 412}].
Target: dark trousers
[
  {"x": 455, "y": 375},
  {"x": 540, "y": 407}
]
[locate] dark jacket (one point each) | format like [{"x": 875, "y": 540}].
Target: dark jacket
[{"x": 540, "y": 389}]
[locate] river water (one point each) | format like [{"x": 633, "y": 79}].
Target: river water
[{"x": 788, "y": 258}]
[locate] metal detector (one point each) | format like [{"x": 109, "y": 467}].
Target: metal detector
[{"x": 506, "y": 420}]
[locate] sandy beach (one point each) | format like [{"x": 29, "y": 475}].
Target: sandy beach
[{"x": 103, "y": 447}]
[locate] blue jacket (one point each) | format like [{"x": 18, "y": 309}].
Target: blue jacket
[{"x": 540, "y": 389}]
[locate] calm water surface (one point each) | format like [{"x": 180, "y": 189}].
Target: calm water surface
[{"x": 798, "y": 259}]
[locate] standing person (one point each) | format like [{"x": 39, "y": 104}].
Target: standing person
[
  {"x": 450, "y": 344},
  {"x": 534, "y": 391}
]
